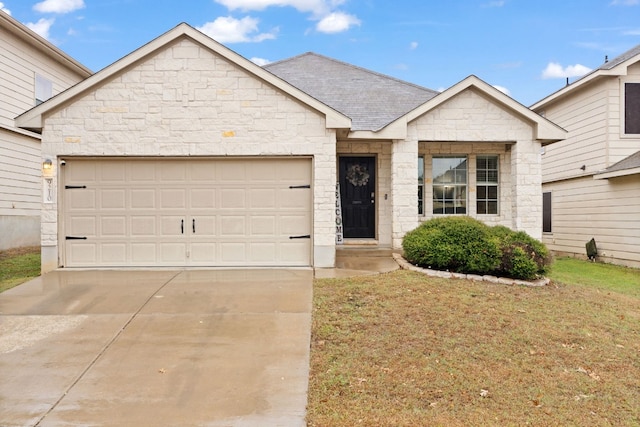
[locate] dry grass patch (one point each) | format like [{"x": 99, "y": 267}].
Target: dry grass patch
[{"x": 404, "y": 349}]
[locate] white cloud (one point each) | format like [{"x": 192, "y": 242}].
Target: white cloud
[
  {"x": 337, "y": 22},
  {"x": 260, "y": 61},
  {"x": 318, "y": 7},
  {"x": 58, "y": 6},
  {"x": 555, "y": 71},
  {"x": 329, "y": 19},
  {"x": 41, "y": 27},
  {"x": 625, "y": 2},
  {"x": 503, "y": 90},
  {"x": 4, "y": 9},
  {"x": 227, "y": 29},
  {"x": 413, "y": 45},
  {"x": 635, "y": 32}
]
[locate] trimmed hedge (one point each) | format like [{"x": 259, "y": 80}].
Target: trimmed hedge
[{"x": 464, "y": 245}]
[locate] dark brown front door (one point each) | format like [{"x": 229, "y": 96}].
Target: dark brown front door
[{"x": 357, "y": 190}]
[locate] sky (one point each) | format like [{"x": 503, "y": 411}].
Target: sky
[{"x": 526, "y": 48}]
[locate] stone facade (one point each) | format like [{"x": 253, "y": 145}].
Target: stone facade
[{"x": 186, "y": 101}]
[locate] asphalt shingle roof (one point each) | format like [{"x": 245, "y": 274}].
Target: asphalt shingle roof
[
  {"x": 370, "y": 99},
  {"x": 631, "y": 162}
]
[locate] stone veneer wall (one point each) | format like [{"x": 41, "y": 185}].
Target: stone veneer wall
[
  {"x": 472, "y": 123},
  {"x": 186, "y": 101}
]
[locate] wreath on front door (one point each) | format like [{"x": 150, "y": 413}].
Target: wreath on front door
[{"x": 358, "y": 175}]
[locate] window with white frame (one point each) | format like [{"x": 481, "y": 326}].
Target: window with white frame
[
  {"x": 449, "y": 185},
  {"x": 43, "y": 89},
  {"x": 421, "y": 185},
  {"x": 487, "y": 178}
]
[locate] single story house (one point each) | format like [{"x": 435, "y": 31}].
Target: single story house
[
  {"x": 31, "y": 71},
  {"x": 184, "y": 153},
  {"x": 591, "y": 180}
]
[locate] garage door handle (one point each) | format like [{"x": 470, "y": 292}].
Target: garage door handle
[
  {"x": 306, "y": 236},
  {"x": 193, "y": 225},
  {"x": 182, "y": 226}
]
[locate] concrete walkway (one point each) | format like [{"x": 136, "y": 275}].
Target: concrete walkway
[{"x": 156, "y": 348}]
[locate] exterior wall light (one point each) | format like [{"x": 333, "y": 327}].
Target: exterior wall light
[{"x": 47, "y": 165}]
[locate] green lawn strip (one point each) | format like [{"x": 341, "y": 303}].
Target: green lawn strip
[
  {"x": 598, "y": 275},
  {"x": 18, "y": 266},
  {"x": 405, "y": 349}
]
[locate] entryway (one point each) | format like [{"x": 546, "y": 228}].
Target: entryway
[{"x": 357, "y": 177}]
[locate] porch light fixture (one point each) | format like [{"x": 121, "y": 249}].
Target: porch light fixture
[{"x": 47, "y": 165}]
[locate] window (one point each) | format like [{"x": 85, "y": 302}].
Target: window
[
  {"x": 421, "y": 185},
  {"x": 632, "y": 108},
  {"x": 546, "y": 212},
  {"x": 450, "y": 185},
  {"x": 44, "y": 89},
  {"x": 487, "y": 185}
]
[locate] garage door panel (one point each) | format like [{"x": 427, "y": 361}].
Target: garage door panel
[
  {"x": 82, "y": 226},
  {"x": 113, "y": 226},
  {"x": 179, "y": 212},
  {"x": 83, "y": 254},
  {"x": 203, "y": 198},
  {"x": 144, "y": 199},
  {"x": 79, "y": 199},
  {"x": 233, "y": 198},
  {"x": 143, "y": 226},
  {"x": 172, "y": 226},
  {"x": 173, "y": 199},
  {"x": 262, "y": 198},
  {"x": 114, "y": 253},
  {"x": 144, "y": 253}
]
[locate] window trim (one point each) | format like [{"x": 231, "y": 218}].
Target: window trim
[
  {"x": 547, "y": 197},
  {"x": 455, "y": 185},
  {"x": 421, "y": 207},
  {"x": 488, "y": 184},
  {"x": 623, "y": 109}
]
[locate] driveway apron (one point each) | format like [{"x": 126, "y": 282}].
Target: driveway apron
[{"x": 156, "y": 348}]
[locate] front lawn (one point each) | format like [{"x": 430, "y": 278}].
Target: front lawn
[
  {"x": 18, "y": 266},
  {"x": 404, "y": 349}
]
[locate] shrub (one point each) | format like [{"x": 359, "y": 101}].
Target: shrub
[
  {"x": 523, "y": 257},
  {"x": 459, "y": 244},
  {"x": 465, "y": 245}
]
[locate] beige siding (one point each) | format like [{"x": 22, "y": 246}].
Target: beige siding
[
  {"x": 20, "y": 155},
  {"x": 584, "y": 116},
  {"x": 19, "y": 63},
  {"x": 607, "y": 210}
]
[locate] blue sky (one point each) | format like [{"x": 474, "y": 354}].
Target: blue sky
[{"x": 526, "y": 47}]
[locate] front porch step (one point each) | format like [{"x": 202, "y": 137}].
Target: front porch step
[{"x": 362, "y": 252}]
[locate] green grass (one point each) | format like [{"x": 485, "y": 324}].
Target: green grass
[
  {"x": 18, "y": 265},
  {"x": 607, "y": 277}
]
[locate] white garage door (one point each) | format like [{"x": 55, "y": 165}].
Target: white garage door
[{"x": 195, "y": 212}]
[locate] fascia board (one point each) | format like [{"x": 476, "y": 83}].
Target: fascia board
[{"x": 624, "y": 172}]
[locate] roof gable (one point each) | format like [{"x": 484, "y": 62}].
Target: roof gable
[
  {"x": 33, "y": 119},
  {"x": 615, "y": 67},
  {"x": 370, "y": 99},
  {"x": 544, "y": 130}
]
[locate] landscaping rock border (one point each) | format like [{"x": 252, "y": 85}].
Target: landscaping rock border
[{"x": 406, "y": 265}]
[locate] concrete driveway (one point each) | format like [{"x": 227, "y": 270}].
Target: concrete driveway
[{"x": 156, "y": 348}]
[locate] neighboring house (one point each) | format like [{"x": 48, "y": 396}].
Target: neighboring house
[
  {"x": 31, "y": 71},
  {"x": 591, "y": 181},
  {"x": 184, "y": 153}
]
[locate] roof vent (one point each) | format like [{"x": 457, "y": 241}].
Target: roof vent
[{"x": 606, "y": 59}]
